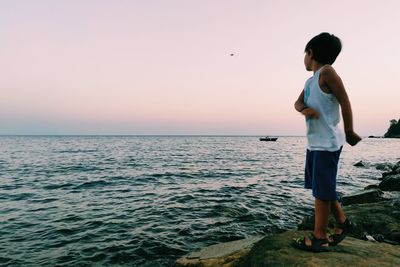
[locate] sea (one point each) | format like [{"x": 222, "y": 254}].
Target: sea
[{"x": 148, "y": 200}]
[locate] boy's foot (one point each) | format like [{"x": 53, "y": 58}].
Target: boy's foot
[
  {"x": 311, "y": 244},
  {"x": 341, "y": 231}
]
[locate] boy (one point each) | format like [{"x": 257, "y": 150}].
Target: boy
[{"x": 319, "y": 103}]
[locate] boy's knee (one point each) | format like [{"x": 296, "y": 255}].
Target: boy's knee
[{"x": 324, "y": 200}]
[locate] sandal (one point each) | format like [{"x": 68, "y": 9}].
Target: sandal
[
  {"x": 346, "y": 228},
  {"x": 317, "y": 245}
]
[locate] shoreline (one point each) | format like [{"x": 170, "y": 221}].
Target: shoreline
[{"x": 375, "y": 211}]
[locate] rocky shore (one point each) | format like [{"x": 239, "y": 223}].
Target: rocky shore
[
  {"x": 394, "y": 129},
  {"x": 375, "y": 241}
]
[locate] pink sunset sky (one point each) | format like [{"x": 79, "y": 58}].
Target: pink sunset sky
[{"x": 164, "y": 67}]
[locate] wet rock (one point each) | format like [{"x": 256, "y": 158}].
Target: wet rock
[
  {"x": 397, "y": 164},
  {"x": 384, "y": 166},
  {"x": 390, "y": 183},
  {"x": 371, "y": 186},
  {"x": 359, "y": 164},
  {"x": 364, "y": 196},
  {"x": 396, "y": 204},
  {"x": 389, "y": 173},
  {"x": 394, "y": 170}
]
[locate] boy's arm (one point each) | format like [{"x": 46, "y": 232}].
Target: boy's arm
[
  {"x": 335, "y": 85},
  {"x": 303, "y": 109},
  {"x": 299, "y": 104}
]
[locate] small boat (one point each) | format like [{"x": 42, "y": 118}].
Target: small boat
[
  {"x": 373, "y": 136},
  {"x": 267, "y": 138}
]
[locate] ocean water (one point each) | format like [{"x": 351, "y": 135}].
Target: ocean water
[{"x": 147, "y": 200}]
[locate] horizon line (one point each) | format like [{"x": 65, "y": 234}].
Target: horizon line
[{"x": 158, "y": 135}]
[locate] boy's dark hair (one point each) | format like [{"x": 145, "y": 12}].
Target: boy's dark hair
[{"x": 325, "y": 47}]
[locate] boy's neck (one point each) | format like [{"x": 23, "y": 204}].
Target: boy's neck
[{"x": 316, "y": 66}]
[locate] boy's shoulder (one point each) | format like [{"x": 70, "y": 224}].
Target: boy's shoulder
[
  {"x": 328, "y": 69},
  {"x": 328, "y": 73}
]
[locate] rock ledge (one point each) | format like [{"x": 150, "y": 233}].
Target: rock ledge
[{"x": 276, "y": 250}]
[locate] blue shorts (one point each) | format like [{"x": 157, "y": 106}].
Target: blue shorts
[{"x": 320, "y": 173}]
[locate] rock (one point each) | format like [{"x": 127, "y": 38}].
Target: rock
[
  {"x": 374, "y": 218},
  {"x": 390, "y": 183},
  {"x": 277, "y": 250},
  {"x": 395, "y": 169},
  {"x": 396, "y": 204},
  {"x": 359, "y": 164},
  {"x": 397, "y": 165},
  {"x": 389, "y": 169},
  {"x": 224, "y": 254},
  {"x": 384, "y": 166},
  {"x": 364, "y": 196},
  {"x": 394, "y": 129},
  {"x": 389, "y": 173},
  {"x": 371, "y": 186}
]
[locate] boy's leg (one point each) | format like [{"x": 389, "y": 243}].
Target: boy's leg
[
  {"x": 322, "y": 211},
  {"x": 337, "y": 211}
]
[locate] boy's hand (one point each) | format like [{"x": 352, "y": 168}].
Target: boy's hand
[
  {"x": 310, "y": 113},
  {"x": 352, "y": 138}
]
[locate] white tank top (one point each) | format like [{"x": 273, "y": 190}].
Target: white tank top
[{"x": 323, "y": 133}]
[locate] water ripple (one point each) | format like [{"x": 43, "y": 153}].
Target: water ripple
[{"x": 144, "y": 201}]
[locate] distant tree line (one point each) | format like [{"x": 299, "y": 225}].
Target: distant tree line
[{"x": 394, "y": 129}]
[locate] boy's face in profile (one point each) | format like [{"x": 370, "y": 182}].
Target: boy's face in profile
[{"x": 307, "y": 60}]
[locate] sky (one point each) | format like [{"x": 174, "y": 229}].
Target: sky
[{"x": 165, "y": 67}]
